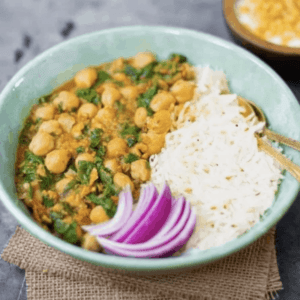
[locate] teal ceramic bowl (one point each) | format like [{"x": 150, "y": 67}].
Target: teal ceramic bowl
[{"x": 247, "y": 75}]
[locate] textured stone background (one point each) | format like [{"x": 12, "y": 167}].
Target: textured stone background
[{"x": 28, "y": 27}]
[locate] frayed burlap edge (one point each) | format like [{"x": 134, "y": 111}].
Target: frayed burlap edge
[{"x": 258, "y": 289}]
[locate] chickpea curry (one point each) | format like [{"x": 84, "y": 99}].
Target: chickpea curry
[{"x": 92, "y": 136}]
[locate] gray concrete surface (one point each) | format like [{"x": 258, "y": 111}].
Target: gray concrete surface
[{"x": 28, "y": 27}]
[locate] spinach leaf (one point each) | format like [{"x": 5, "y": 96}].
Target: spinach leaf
[
  {"x": 71, "y": 185},
  {"x": 67, "y": 230},
  {"x": 60, "y": 108},
  {"x": 130, "y": 158},
  {"x": 48, "y": 202},
  {"x": 108, "y": 205},
  {"x": 30, "y": 192},
  {"x": 105, "y": 176},
  {"x": 80, "y": 149},
  {"x": 84, "y": 172},
  {"x": 55, "y": 215},
  {"x": 24, "y": 139},
  {"x": 28, "y": 170},
  {"x": 148, "y": 71},
  {"x": 46, "y": 181},
  {"x": 70, "y": 234},
  {"x": 44, "y": 99},
  {"x": 32, "y": 158},
  {"x": 132, "y": 72},
  {"x": 101, "y": 151},
  {"x": 178, "y": 58},
  {"x": 117, "y": 82},
  {"x": 90, "y": 95},
  {"x": 102, "y": 77},
  {"x": 129, "y": 130},
  {"x": 68, "y": 209},
  {"x": 145, "y": 99},
  {"x": 131, "y": 141},
  {"x": 131, "y": 133},
  {"x": 95, "y": 138},
  {"x": 60, "y": 226}
]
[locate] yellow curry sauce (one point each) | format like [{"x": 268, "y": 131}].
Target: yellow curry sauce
[{"x": 93, "y": 135}]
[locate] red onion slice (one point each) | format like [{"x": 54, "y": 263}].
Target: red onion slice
[
  {"x": 174, "y": 217},
  {"x": 163, "y": 251},
  {"x": 146, "y": 201},
  {"x": 124, "y": 211},
  {"x": 154, "y": 218},
  {"x": 155, "y": 242}
]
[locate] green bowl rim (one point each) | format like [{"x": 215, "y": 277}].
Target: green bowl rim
[{"x": 136, "y": 264}]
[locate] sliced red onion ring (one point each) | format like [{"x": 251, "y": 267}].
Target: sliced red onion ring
[
  {"x": 173, "y": 218},
  {"x": 154, "y": 218},
  {"x": 123, "y": 213},
  {"x": 146, "y": 201},
  {"x": 166, "y": 249},
  {"x": 154, "y": 242}
]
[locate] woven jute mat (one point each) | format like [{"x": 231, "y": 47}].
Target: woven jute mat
[{"x": 251, "y": 273}]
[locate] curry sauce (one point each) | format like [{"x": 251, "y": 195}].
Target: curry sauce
[{"x": 92, "y": 136}]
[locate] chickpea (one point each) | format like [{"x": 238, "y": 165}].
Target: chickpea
[
  {"x": 40, "y": 170},
  {"x": 96, "y": 124},
  {"x": 154, "y": 141},
  {"x": 140, "y": 117},
  {"x": 129, "y": 92},
  {"x": 106, "y": 85},
  {"x": 61, "y": 185},
  {"x": 87, "y": 110},
  {"x": 161, "y": 122},
  {"x": 98, "y": 215},
  {"x": 122, "y": 77},
  {"x": 109, "y": 96},
  {"x": 45, "y": 112},
  {"x": 117, "y": 64},
  {"x": 90, "y": 243},
  {"x": 56, "y": 161},
  {"x": 163, "y": 85},
  {"x": 83, "y": 157},
  {"x": 142, "y": 59},
  {"x": 162, "y": 100},
  {"x": 77, "y": 130},
  {"x": 42, "y": 143},
  {"x": 106, "y": 115},
  {"x": 116, "y": 147},
  {"x": 112, "y": 165},
  {"x": 66, "y": 121},
  {"x": 188, "y": 71},
  {"x": 183, "y": 90},
  {"x": 138, "y": 149},
  {"x": 121, "y": 180},
  {"x": 85, "y": 78},
  {"x": 51, "y": 126},
  {"x": 140, "y": 170},
  {"x": 67, "y": 100}
]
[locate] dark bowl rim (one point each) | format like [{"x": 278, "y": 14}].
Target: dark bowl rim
[{"x": 239, "y": 30}]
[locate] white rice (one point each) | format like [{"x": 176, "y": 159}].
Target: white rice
[{"x": 215, "y": 163}]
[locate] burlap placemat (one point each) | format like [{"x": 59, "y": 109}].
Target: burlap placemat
[{"x": 252, "y": 273}]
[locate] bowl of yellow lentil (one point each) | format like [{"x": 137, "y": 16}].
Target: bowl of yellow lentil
[
  {"x": 270, "y": 29},
  {"x": 44, "y": 90}
]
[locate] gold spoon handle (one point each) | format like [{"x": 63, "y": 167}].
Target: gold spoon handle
[
  {"x": 280, "y": 158},
  {"x": 282, "y": 139}
]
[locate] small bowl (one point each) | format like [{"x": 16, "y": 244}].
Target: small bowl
[
  {"x": 248, "y": 76},
  {"x": 284, "y": 59}
]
